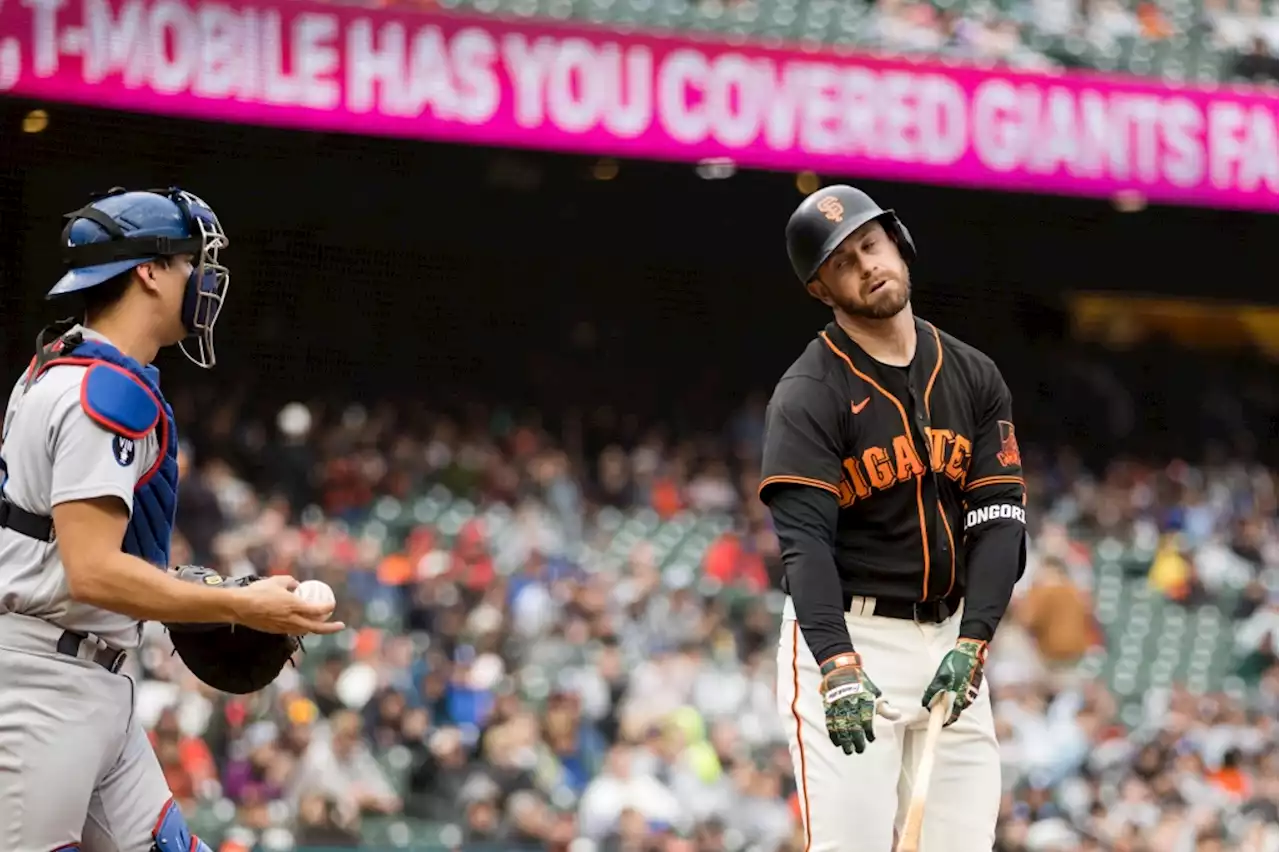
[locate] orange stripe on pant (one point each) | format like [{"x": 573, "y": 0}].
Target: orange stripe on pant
[{"x": 802, "y": 783}]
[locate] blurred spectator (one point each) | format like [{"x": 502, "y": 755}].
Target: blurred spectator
[
  {"x": 1259, "y": 64},
  {"x": 186, "y": 760},
  {"x": 624, "y": 799},
  {"x": 199, "y": 515},
  {"x": 339, "y": 766},
  {"x": 1174, "y": 574},
  {"x": 1058, "y": 615},
  {"x": 322, "y": 824}
]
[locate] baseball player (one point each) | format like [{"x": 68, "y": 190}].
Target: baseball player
[
  {"x": 88, "y": 479},
  {"x": 893, "y": 477}
]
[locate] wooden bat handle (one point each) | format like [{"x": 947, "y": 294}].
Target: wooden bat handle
[{"x": 914, "y": 822}]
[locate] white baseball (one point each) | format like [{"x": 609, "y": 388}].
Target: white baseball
[{"x": 317, "y": 592}]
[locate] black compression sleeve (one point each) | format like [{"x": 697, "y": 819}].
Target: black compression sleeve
[
  {"x": 996, "y": 556},
  {"x": 805, "y": 520},
  {"x": 996, "y": 517}
]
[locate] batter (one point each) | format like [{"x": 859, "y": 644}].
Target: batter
[
  {"x": 893, "y": 476},
  {"x": 88, "y": 491}
]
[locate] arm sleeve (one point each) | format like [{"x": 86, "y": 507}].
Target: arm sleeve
[
  {"x": 800, "y": 476},
  {"x": 995, "y": 525},
  {"x": 90, "y": 461},
  {"x": 805, "y": 521},
  {"x": 802, "y": 441}
]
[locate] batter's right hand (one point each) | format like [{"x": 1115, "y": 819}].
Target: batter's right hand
[
  {"x": 851, "y": 702},
  {"x": 271, "y": 606}
]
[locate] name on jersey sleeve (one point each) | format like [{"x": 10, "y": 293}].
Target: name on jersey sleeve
[
  {"x": 877, "y": 469},
  {"x": 998, "y": 512}
]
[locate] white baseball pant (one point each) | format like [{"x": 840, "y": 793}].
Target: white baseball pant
[{"x": 857, "y": 802}]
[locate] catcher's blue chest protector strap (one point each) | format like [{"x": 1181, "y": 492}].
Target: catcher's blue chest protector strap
[{"x": 124, "y": 397}]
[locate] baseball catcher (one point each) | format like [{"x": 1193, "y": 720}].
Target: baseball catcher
[{"x": 88, "y": 493}]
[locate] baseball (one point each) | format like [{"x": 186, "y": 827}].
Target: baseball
[{"x": 316, "y": 592}]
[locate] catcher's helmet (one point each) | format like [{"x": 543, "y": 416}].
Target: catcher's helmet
[
  {"x": 120, "y": 230},
  {"x": 827, "y": 217}
]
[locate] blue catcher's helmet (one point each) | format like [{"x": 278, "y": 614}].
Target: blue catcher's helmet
[{"x": 121, "y": 230}]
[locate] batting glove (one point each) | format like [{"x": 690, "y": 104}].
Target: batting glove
[
  {"x": 960, "y": 673},
  {"x": 851, "y": 702}
]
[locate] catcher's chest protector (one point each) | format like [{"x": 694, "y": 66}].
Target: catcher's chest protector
[{"x": 155, "y": 500}]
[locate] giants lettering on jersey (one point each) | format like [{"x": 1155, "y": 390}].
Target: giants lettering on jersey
[
  {"x": 1000, "y": 511},
  {"x": 880, "y": 468}
]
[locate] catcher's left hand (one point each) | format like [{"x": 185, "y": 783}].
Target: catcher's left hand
[
  {"x": 960, "y": 673},
  {"x": 230, "y": 657}
]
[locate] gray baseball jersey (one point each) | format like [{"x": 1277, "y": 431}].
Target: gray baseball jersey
[
  {"x": 76, "y": 769},
  {"x": 53, "y": 452}
]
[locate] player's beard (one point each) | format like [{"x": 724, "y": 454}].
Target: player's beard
[{"x": 887, "y": 302}]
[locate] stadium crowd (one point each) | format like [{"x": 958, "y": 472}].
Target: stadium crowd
[{"x": 539, "y": 657}]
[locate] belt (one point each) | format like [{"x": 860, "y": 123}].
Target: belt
[
  {"x": 933, "y": 611},
  {"x": 112, "y": 660},
  {"x": 25, "y": 523}
]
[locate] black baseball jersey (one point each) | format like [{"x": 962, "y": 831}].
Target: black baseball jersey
[{"x": 919, "y": 458}]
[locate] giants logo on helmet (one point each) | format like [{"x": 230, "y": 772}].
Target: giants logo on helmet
[{"x": 831, "y": 208}]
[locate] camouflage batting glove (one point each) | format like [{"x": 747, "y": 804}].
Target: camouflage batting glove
[
  {"x": 850, "y": 700},
  {"x": 960, "y": 673}
]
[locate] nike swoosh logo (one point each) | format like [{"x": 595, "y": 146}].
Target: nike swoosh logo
[{"x": 856, "y": 408}]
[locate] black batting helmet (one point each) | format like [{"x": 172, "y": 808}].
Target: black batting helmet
[{"x": 827, "y": 217}]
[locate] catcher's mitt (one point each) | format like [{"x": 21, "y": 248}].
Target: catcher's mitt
[{"x": 229, "y": 657}]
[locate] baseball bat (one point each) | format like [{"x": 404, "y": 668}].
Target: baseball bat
[{"x": 914, "y": 822}]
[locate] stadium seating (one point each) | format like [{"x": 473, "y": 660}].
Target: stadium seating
[
  {"x": 1153, "y": 643},
  {"x": 1187, "y": 53}
]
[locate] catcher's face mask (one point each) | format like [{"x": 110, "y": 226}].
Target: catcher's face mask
[{"x": 209, "y": 281}]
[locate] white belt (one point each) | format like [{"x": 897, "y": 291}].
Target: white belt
[{"x": 859, "y": 605}]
